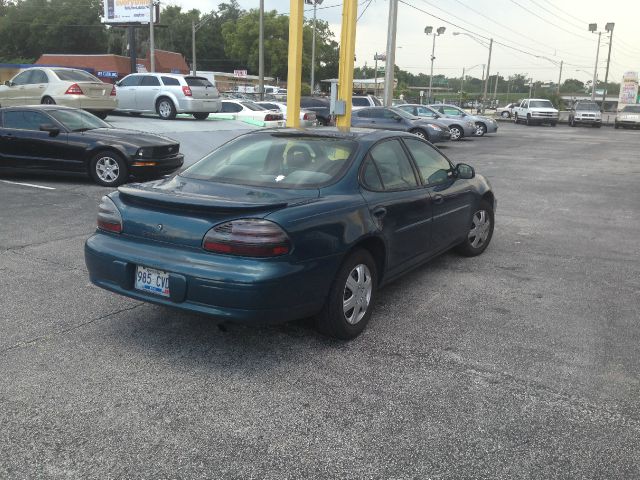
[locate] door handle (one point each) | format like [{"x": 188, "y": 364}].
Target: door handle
[
  {"x": 379, "y": 212},
  {"x": 438, "y": 199}
]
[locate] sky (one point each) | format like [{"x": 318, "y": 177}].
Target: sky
[{"x": 524, "y": 31}]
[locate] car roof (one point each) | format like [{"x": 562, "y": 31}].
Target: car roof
[{"x": 349, "y": 133}]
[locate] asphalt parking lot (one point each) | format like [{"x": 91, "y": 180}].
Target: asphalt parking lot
[{"x": 520, "y": 363}]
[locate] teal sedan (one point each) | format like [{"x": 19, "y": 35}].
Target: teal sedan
[{"x": 283, "y": 224}]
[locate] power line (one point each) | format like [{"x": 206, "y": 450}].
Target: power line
[
  {"x": 579, "y": 27},
  {"x": 548, "y": 22},
  {"x": 365, "y": 9}
]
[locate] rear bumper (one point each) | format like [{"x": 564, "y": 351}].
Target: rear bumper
[
  {"x": 230, "y": 288},
  {"x": 87, "y": 103},
  {"x": 192, "y": 105}
]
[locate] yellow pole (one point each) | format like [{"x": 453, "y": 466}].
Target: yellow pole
[
  {"x": 347, "y": 52},
  {"x": 294, "y": 75}
]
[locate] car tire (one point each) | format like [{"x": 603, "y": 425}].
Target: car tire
[
  {"x": 47, "y": 101},
  {"x": 356, "y": 280},
  {"x": 166, "y": 109},
  {"x": 480, "y": 232},
  {"x": 529, "y": 122},
  {"x": 201, "y": 115},
  {"x": 481, "y": 129},
  {"x": 108, "y": 169},
  {"x": 456, "y": 132},
  {"x": 505, "y": 114},
  {"x": 597, "y": 125},
  {"x": 418, "y": 132},
  {"x": 515, "y": 118},
  {"x": 553, "y": 124},
  {"x": 572, "y": 122},
  {"x": 616, "y": 126}
]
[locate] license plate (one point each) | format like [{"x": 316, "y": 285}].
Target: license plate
[{"x": 152, "y": 280}]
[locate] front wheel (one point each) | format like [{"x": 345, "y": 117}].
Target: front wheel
[
  {"x": 480, "y": 232},
  {"x": 553, "y": 124},
  {"x": 529, "y": 122},
  {"x": 481, "y": 129},
  {"x": 201, "y": 115},
  {"x": 505, "y": 115},
  {"x": 572, "y": 122},
  {"x": 350, "y": 302},
  {"x": 515, "y": 118},
  {"x": 418, "y": 132},
  {"x": 616, "y": 126},
  {"x": 108, "y": 169}
]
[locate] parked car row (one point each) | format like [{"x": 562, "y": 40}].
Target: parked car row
[{"x": 436, "y": 123}]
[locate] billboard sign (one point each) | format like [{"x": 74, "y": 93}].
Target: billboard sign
[
  {"x": 126, "y": 11},
  {"x": 240, "y": 73},
  {"x": 107, "y": 74},
  {"x": 628, "y": 89}
]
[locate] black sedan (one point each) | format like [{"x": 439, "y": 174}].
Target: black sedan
[
  {"x": 320, "y": 106},
  {"x": 283, "y": 224},
  {"x": 393, "y": 118},
  {"x": 52, "y": 138}
]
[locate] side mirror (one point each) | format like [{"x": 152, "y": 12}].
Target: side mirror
[
  {"x": 52, "y": 129},
  {"x": 8, "y": 83},
  {"x": 464, "y": 171},
  {"x": 117, "y": 84}
]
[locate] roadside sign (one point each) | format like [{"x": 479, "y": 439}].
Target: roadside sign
[
  {"x": 240, "y": 73},
  {"x": 422, "y": 93},
  {"x": 141, "y": 68},
  {"x": 107, "y": 74},
  {"x": 380, "y": 56}
]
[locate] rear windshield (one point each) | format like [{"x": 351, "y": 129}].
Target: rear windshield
[
  {"x": 540, "y": 104},
  {"x": 253, "y": 106},
  {"x": 376, "y": 102},
  {"x": 276, "y": 160},
  {"x": 75, "y": 76},
  {"x": 359, "y": 102},
  {"x": 632, "y": 109},
  {"x": 198, "y": 82}
]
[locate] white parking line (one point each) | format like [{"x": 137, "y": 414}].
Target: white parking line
[{"x": 28, "y": 185}]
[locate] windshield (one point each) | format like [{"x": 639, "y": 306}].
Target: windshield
[
  {"x": 276, "y": 160},
  {"x": 75, "y": 76},
  {"x": 78, "y": 120},
  {"x": 540, "y": 104},
  {"x": 632, "y": 109},
  {"x": 402, "y": 113},
  {"x": 588, "y": 106}
]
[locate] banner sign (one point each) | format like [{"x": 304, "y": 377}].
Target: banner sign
[
  {"x": 126, "y": 11},
  {"x": 628, "y": 89},
  {"x": 107, "y": 74},
  {"x": 240, "y": 73}
]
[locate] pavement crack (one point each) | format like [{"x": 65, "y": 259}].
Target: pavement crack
[{"x": 68, "y": 329}]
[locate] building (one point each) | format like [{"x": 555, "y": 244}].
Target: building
[{"x": 109, "y": 67}]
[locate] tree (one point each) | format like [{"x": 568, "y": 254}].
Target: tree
[{"x": 572, "y": 85}]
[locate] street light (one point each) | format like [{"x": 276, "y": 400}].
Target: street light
[
  {"x": 315, "y": 4},
  {"x": 486, "y": 78},
  {"x": 429, "y": 31},
  {"x": 194, "y": 28},
  {"x": 463, "y": 75}
]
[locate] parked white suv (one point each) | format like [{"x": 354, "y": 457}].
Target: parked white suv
[
  {"x": 536, "y": 111},
  {"x": 364, "y": 101},
  {"x": 167, "y": 95}
]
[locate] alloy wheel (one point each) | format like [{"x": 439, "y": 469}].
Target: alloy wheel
[
  {"x": 357, "y": 294},
  {"x": 480, "y": 228},
  {"x": 455, "y": 133},
  {"x": 164, "y": 109},
  {"x": 505, "y": 114},
  {"x": 420, "y": 133},
  {"x": 107, "y": 169}
]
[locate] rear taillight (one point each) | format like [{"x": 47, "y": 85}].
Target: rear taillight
[
  {"x": 187, "y": 91},
  {"x": 309, "y": 116},
  {"x": 113, "y": 91},
  {"x": 109, "y": 218},
  {"x": 250, "y": 237},
  {"x": 270, "y": 117},
  {"x": 74, "y": 90}
]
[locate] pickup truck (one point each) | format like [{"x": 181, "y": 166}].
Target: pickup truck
[{"x": 535, "y": 111}]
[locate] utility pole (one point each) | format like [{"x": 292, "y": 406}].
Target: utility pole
[
  {"x": 131, "y": 31},
  {"x": 194, "y": 69},
  {"x": 609, "y": 28},
  {"x": 261, "y": 53},
  {"x": 461, "y": 85},
  {"x": 375, "y": 75},
  {"x": 560, "y": 76},
  {"x": 495, "y": 91},
  {"x": 313, "y": 42},
  {"x": 484, "y": 95},
  {"x": 391, "y": 53},
  {"x": 530, "y": 86},
  {"x": 152, "y": 46}
]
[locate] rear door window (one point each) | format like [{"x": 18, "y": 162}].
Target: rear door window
[
  {"x": 38, "y": 76},
  {"x": 394, "y": 168},
  {"x": 359, "y": 102},
  {"x": 131, "y": 81},
  {"x": 230, "y": 107},
  {"x": 75, "y": 76},
  {"x": 150, "y": 81}
]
